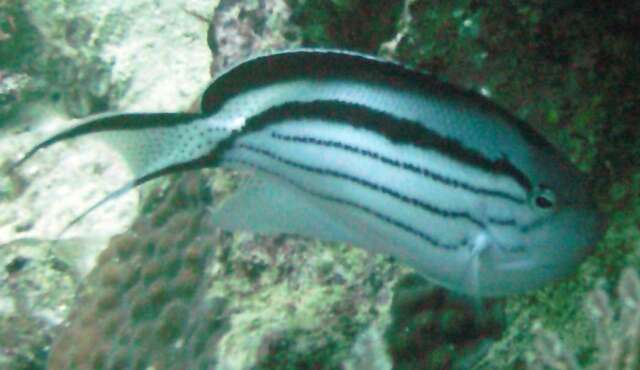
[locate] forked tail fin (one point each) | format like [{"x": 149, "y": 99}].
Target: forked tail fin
[{"x": 153, "y": 144}]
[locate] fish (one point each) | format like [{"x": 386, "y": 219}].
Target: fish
[{"x": 348, "y": 147}]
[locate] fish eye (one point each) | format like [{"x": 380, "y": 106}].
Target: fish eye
[{"x": 544, "y": 198}]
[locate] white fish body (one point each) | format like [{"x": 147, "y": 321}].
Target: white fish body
[{"x": 347, "y": 147}]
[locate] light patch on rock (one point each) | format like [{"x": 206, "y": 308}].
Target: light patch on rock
[
  {"x": 369, "y": 352},
  {"x": 61, "y": 182},
  {"x": 162, "y": 78}
]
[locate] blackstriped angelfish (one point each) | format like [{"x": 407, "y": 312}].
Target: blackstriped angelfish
[{"x": 347, "y": 147}]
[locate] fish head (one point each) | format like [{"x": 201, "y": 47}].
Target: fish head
[
  {"x": 560, "y": 226},
  {"x": 567, "y": 224}
]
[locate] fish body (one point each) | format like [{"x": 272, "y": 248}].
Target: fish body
[{"x": 347, "y": 147}]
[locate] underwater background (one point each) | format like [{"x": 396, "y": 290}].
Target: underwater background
[{"x": 146, "y": 282}]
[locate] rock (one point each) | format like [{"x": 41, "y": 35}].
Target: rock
[{"x": 37, "y": 286}]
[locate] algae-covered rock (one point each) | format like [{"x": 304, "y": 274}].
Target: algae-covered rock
[
  {"x": 239, "y": 29},
  {"x": 19, "y": 43},
  {"x": 559, "y": 67},
  {"x": 434, "y": 329},
  {"x": 114, "y": 55},
  {"x": 38, "y": 280},
  {"x": 349, "y": 24},
  {"x": 551, "y": 65},
  {"x": 615, "y": 332}
]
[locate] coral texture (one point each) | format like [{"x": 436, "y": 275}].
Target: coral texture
[{"x": 138, "y": 308}]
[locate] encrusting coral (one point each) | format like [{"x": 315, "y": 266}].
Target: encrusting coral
[{"x": 135, "y": 308}]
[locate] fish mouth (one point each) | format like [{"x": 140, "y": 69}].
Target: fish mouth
[
  {"x": 484, "y": 277},
  {"x": 521, "y": 265}
]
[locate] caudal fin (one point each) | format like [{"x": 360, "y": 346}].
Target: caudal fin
[{"x": 153, "y": 144}]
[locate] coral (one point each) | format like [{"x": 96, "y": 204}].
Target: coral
[
  {"x": 74, "y": 57},
  {"x": 617, "y": 335},
  {"x": 140, "y": 306}
]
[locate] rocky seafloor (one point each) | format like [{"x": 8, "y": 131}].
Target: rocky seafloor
[{"x": 147, "y": 282}]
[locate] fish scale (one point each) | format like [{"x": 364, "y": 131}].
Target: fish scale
[{"x": 351, "y": 148}]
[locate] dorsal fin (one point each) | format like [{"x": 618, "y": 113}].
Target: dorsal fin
[{"x": 323, "y": 64}]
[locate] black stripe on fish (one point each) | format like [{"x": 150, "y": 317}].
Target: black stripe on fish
[
  {"x": 323, "y": 65},
  {"x": 380, "y": 216},
  {"x": 397, "y": 130},
  {"x": 421, "y": 170},
  {"x": 378, "y": 188}
]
